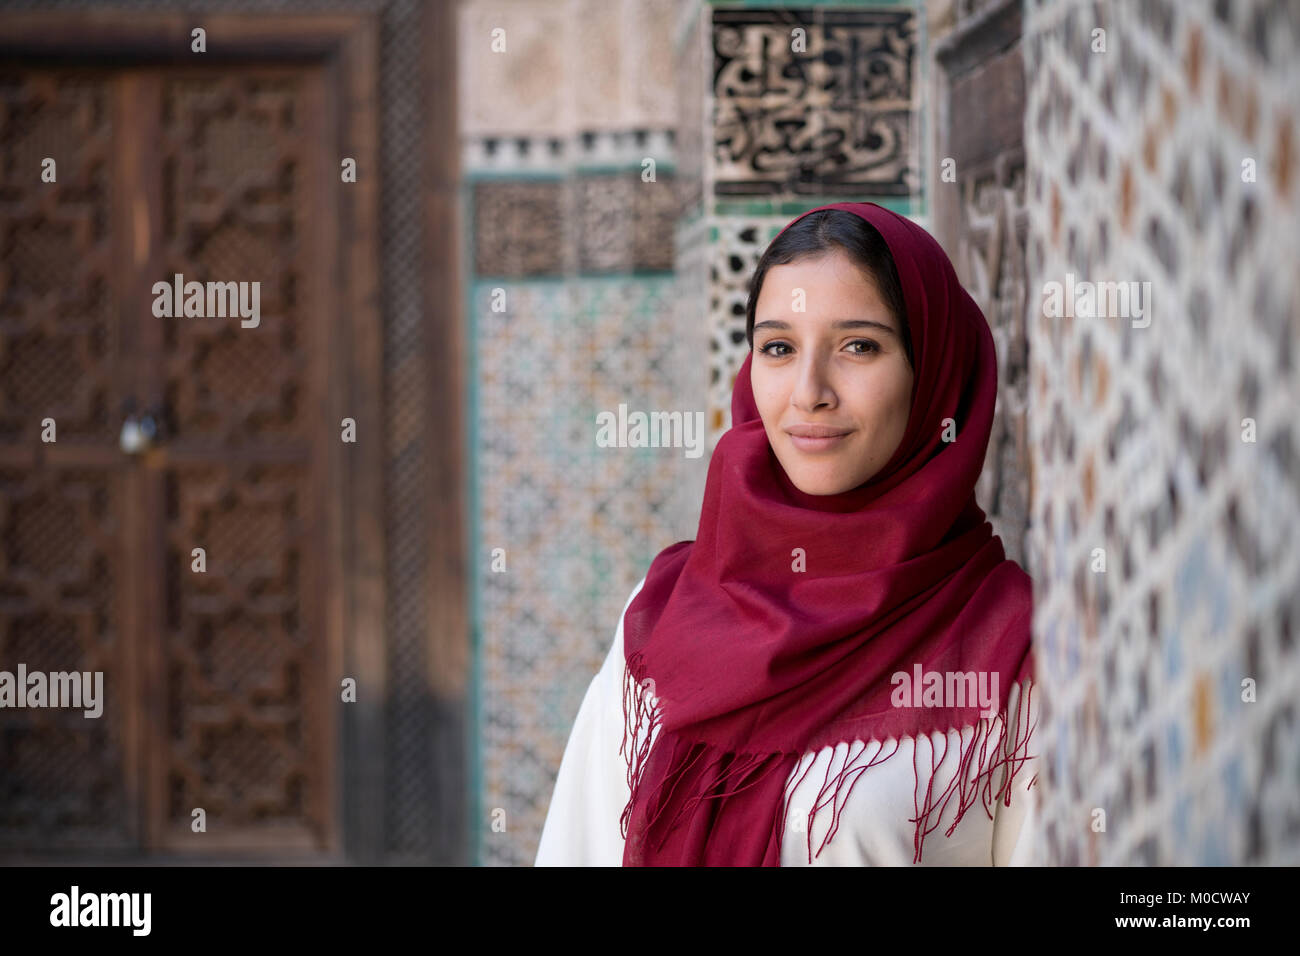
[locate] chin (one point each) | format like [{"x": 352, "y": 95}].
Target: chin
[
  {"x": 823, "y": 488},
  {"x": 820, "y": 484}
]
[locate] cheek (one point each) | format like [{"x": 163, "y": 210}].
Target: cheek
[
  {"x": 768, "y": 397},
  {"x": 903, "y": 402},
  {"x": 893, "y": 403}
]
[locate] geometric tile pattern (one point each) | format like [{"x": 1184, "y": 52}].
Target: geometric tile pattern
[
  {"x": 738, "y": 244},
  {"x": 578, "y": 523},
  {"x": 1170, "y": 158}
]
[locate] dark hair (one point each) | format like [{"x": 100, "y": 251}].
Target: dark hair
[{"x": 818, "y": 233}]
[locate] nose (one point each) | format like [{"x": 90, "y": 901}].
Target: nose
[{"x": 812, "y": 389}]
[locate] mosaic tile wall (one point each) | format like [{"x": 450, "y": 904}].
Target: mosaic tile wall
[
  {"x": 574, "y": 308},
  {"x": 1170, "y": 158},
  {"x": 578, "y": 523}
]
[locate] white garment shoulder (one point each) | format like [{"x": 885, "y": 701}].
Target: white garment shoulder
[{"x": 582, "y": 822}]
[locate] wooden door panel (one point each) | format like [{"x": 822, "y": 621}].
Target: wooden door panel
[
  {"x": 248, "y": 727},
  {"x": 64, "y": 778},
  {"x": 221, "y": 688},
  {"x": 62, "y": 775}
]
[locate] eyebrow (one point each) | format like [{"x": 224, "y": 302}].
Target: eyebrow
[{"x": 841, "y": 324}]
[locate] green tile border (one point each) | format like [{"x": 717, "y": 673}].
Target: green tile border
[
  {"x": 471, "y": 176},
  {"x": 606, "y": 169},
  {"x": 903, "y": 205},
  {"x": 558, "y": 175},
  {"x": 808, "y": 4}
]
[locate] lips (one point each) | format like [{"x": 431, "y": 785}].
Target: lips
[
  {"x": 817, "y": 431},
  {"x": 814, "y": 438}
]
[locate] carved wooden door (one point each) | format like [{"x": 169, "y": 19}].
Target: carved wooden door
[{"x": 220, "y": 685}]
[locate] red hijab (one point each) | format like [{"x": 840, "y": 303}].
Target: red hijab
[{"x": 741, "y": 664}]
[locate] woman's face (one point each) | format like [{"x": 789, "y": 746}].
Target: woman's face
[{"x": 828, "y": 360}]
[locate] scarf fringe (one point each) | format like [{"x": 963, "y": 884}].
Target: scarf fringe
[{"x": 638, "y": 712}]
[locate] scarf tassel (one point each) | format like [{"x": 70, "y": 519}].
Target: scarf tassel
[{"x": 745, "y": 770}]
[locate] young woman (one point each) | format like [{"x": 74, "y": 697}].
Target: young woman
[{"x": 840, "y": 663}]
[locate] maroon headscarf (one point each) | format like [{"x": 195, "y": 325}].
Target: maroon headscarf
[{"x": 741, "y": 664}]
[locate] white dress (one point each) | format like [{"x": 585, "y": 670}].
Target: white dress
[{"x": 582, "y": 824}]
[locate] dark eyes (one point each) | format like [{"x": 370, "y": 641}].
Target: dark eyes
[{"x": 870, "y": 348}]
